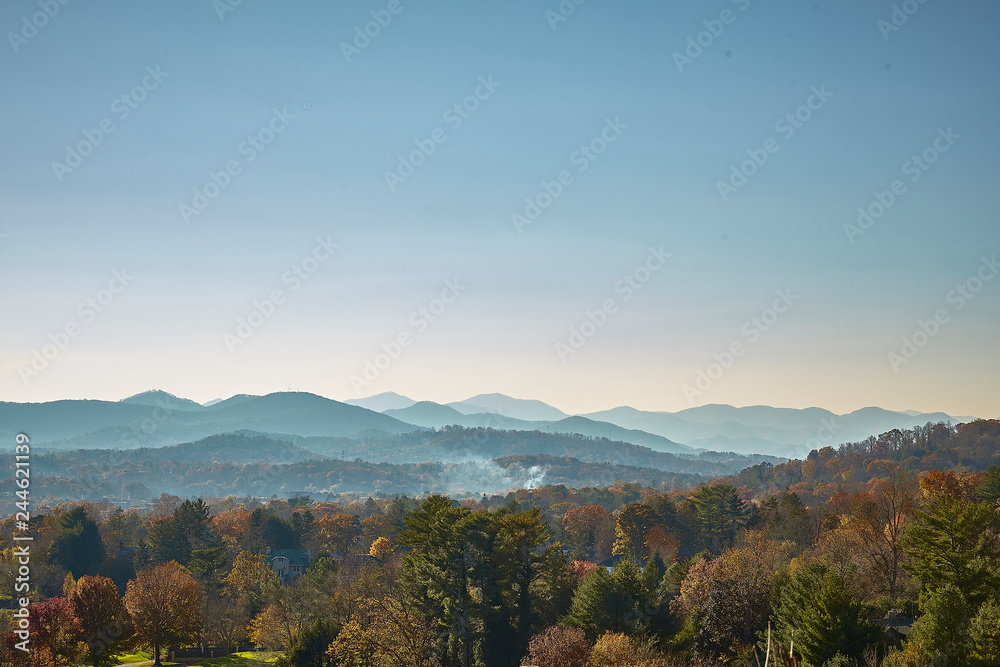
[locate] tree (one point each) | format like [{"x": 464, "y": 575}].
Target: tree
[
  {"x": 436, "y": 573},
  {"x": 338, "y": 532},
  {"x": 559, "y": 646},
  {"x": 617, "y": 602},
  {"x": 581, "y": 526},
  {"x": 949, "y": 544},
  {"x": 382, "y": 632},
  {"x": 380, "y": 548},
  {"x": 825, "y": 619},
  {"x": 941, "y": 634},
  {"x": 989, "y": 486},
  {"x": 613, "y": 650},
  {"x": 77, "y": 545},
  {"x": 878, "y": 520},
  {"x": 248, "y": 577},
  {"x": 310, "y": 647},
  {"x": 105, "y": 622},
  {"x": 632, "y": 529},
  {"x": 728, "y": 597},
  {"x": 719, "y": 513},
  {"x": 984, "y": 633},
  {"x": 166, "y": 541},
  {"x": 274, "y": 628},
  {"x": 54, "y": 631},
  {"x": 165, "y": 606}
]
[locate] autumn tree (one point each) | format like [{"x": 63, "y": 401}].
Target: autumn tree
[
  {"x": 728, "y": 598},
  {"x": 618, "y": 650},
  {"x": 632, "y": 529},
  {"x": 338, "y": 532},
  {"x": 164, "y": 604},
  {"x": 383, "y": 632},
  {"x": 106, "y": 627},
  {"x": 380, "y": 548},
  {"x": 275, "y": 627},
  {"x": 878, "y": 519},
  {"x": 559, "y": 646},
  {"x": 582, "y": 527},
  {"x": 54, "y": 633},
  {"x": 984, "y": 633}
]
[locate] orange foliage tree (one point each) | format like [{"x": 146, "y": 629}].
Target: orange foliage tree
[{"x": 165, "y": 606}]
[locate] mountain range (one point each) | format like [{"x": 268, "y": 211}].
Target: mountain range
[{"x": 157, "y": 418}]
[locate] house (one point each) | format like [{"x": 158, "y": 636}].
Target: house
[
  {"x": 897, "y": 625},
  {"x": 126, "y": 552},
  {"x": 610, "y": 563},
  {"x": 288, "y": 564}
]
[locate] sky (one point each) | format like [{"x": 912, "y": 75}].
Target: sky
[{"x": 597, "y": 204}]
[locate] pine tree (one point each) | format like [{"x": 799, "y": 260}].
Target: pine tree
[
  {"x": 824, "y": 616},
  {"x": 949, "y": 544}
]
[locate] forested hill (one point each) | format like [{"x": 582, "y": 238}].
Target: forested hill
[
  {"x": 458, "y": 444},
  {"x": 825, "y": 472}
]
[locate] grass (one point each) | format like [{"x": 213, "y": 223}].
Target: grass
[{"x": 241, "y": 659}]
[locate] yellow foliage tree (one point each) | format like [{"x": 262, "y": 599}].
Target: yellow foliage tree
[
  {"x": 382, "y": 633},
  {"x": 274, "y": 628},
  {"x": 380, "y": 548}
]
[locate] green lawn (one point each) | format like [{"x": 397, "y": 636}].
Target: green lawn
[{"x": 241, "y": 659}]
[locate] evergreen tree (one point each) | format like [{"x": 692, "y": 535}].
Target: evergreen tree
[
  {"x": 949, "y": 544},
  {"x": 984, "y": 633},
  {"x": 825, "y": 617},
  {"x": 942, "y": 632},
  {"x": 719, "y": 514},
  {"x": 613, "y": 602},
  {"x": 309, "y": 646},
  {"x": 77, "y": 545}
]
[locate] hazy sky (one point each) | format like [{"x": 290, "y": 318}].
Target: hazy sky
[{"x": 358, "y": 193}]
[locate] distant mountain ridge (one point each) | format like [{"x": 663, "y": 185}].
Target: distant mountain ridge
[{"x": 156, "y": 418}]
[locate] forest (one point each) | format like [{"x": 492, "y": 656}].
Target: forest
[
  {"x": 881, "y": 553},
  {"x": 454, "y": 461}
]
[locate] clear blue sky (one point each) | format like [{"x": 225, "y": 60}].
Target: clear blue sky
[{"x": 678, "y": 133}]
